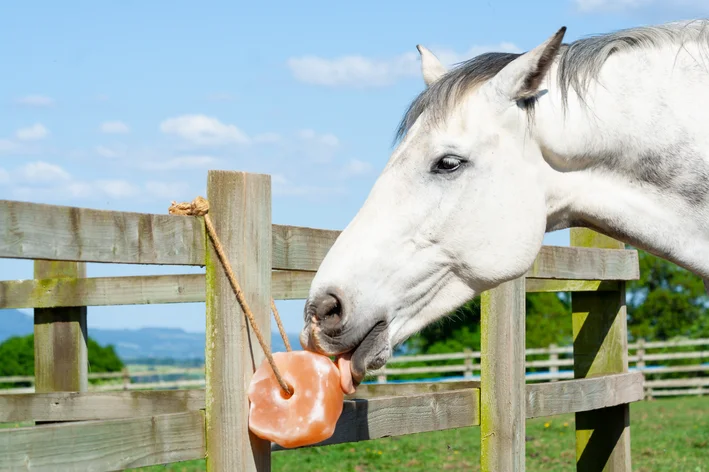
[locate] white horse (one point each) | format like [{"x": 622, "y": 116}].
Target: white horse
[{"x": 609, "y": 132}]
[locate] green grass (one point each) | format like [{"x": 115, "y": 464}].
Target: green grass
[{"x": 666, "y": 435}]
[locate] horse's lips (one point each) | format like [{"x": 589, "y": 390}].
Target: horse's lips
[{"x": 344, "y": 364}]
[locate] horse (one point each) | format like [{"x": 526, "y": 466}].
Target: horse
[{"x": 609, "y": 132}]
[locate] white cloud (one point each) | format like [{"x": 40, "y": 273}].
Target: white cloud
[
  {"x": 281, "y": 186},
  {"x": 168, "y": 190},
  {"x": 114, "y": 127},
  {"x": 267, "y": 138},
  {"x": 594, "y": 5},
  {"x": 181, "y": 163},
  {"x": 7, "y": 146},
  {"x": 117, "y": 188},
  {"x": 107, "y": 152},
  {"x": 39, "y": 101},
  {"x": 203, "y": 130},
  {"x": 32, "y": 133},
  {"x": 318, "y": 147},
  {"x": 361, "y": 71},
  {"x": 41, "y": 171},
  {"x": 355, "y": 167},
  {"x": 589, "y": 6}
]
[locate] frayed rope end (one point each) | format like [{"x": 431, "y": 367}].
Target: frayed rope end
[{"x": 197, "y": 207}]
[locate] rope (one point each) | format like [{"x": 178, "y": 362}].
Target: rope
[{"x": 200, "y": 207}]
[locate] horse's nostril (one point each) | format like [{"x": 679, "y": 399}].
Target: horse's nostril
[
  {"x": 333, "y": 307},
  {"x": 326, "y": 308}
]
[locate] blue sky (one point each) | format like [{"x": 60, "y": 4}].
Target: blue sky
[{"x": 126, "y": 105}]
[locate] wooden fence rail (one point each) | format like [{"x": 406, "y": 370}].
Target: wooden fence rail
[{"x": 116, "y": 430}]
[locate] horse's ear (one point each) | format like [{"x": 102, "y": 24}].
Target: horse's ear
[
  {"x": 431, "y": 67},
  {"x": 521, "y": 78}
]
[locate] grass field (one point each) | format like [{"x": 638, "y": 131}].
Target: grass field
[{"x": 666, "y": 435}]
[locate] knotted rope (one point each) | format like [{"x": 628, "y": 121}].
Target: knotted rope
[{"x": 200, "y": 207}]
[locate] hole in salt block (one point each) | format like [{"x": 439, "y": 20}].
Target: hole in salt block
[{"x": 286, "y": 395}]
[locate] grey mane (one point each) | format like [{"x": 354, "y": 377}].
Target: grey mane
[{"x": 578, "y": 63}]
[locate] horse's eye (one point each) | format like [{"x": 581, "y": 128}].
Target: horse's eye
[{"x": 447, "y": 164}]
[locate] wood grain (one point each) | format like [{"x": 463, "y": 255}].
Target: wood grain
[
  {"x": 75, "y": 406},
  {"x": 560, "y": 285},
  {"x": 502, "y": 389},
  {"x": 38, "y": 231},
  {"x": 104, "y": 445},
  {"x": 60, "y": 336},
  {"x": 572, "y": 396},
  {"x": 575, "y": 263},
  {"x": 601, "y": 347},
  {"x": 381, "y": 417},
  {"x": 132, "y": 290},
  {"x": 370, "y": 391},
  {"x": 240, "y": 207},
  {"x": 300, "y": 248}
]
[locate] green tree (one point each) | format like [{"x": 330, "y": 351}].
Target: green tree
[
  {"x": 548, "y": 321},
  {"x": 17, "y": 357},
  {"x": 666, "y": 302}
]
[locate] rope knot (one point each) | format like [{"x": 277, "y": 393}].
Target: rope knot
[{"x": 197, "y": 207}]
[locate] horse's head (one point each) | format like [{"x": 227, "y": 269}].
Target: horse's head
[{"x": 457, "y": 210}]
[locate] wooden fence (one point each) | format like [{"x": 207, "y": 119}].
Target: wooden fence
[
  {"x": 117, "y": 430},
  {"x": 693, "y": 377}
]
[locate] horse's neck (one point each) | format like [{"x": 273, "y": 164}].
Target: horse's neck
[{"x": 633, "y": 162}]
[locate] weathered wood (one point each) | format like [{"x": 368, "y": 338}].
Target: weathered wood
[
  {"x": 693, "y": 382},
  {"x": 60, "y": 337},
  {"x": 73, "y": 406},
  {"x": 541, "y": 399},
  {"x": 558, "y": 285},
  {"x": 601, "y": 347},
  {"x": 375, "y": 418},
  {"x": 370, "y": 391},
  {"x": 502, "y": 390},
  {"x": 38, "y": 231},
  {"x": 240, "y": 207},
  {"x": 680, "y": 392},
  {"x": 102, "y": 291},
  {"x": 132, "y": 290},
  {"x": 435, "y": 369},
  {"x": 299, "y": 248},
  {"x": 291, "y": 284},
  {"x": 104, "y": 445},
  {"x": 52, "y": 232},
  {"x": 574, "y": 263},
  {"x": 572, "y": 396}
]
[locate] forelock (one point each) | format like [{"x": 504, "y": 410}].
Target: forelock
[{"x": 441, "y": 96}]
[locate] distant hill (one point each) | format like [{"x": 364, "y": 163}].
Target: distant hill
[{"x": 136, "y": 343}]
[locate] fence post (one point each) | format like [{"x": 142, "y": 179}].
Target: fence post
[
  {"x": 553, "y": 357},
  {"x": 60, "y": 349},
  {"x": 600, "y": 347},
  {"x": 640, "y": 363},
  {"x": 240, "y": 208},
  {"x": 468, "y": 364},
  {"x": 502, "y": 378},
  {"x": 126, "y": 379}
]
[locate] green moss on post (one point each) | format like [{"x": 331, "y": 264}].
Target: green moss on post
[
  {"x": 502, "y": 378},
  {"x": 60, "y": 352},
  {"x": 240, "y": 209},
  {"x": 601, "y": 347}
]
